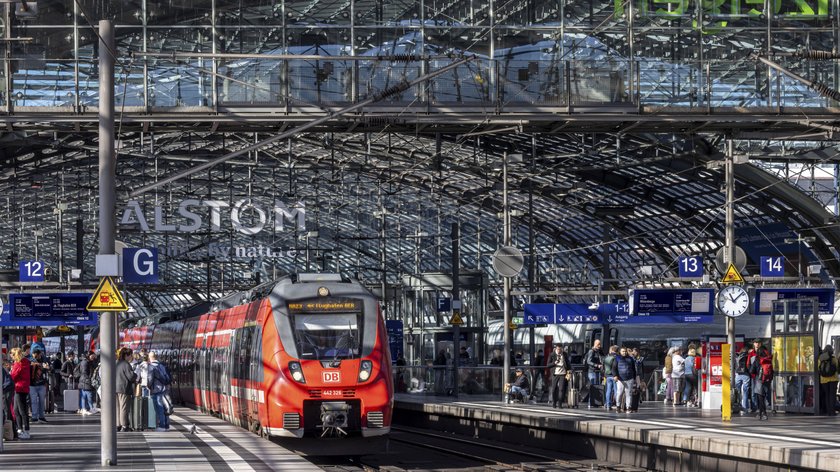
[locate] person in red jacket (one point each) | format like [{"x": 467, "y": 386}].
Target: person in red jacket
[
  {"x": 761, "y": 369},
  {"x": 20, "y": 376}
]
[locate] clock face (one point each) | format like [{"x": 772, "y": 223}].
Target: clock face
[{"x": 733, "y": 300}]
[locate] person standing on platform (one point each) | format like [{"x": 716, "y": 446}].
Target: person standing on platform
[
  {"x": 21, "y": 371},
  {"x": 743, "y": 381},
  {"x": 678, "y": 375},
  {"x": 761, "y": 369},
  {"x": 666, "y": 374},
  {"x": 126, "y": 379},
  {"x": 86, "y": 368},
  {"x": 8, "y": 393},
  {"x": 689, "y": 395},
  {"x": 593, "y": 364},
  {"x": 38, "y": 380},
  {"x": 561, "y": 373},
  {"x": 611, "y": 374},
  {"x": 142, "y": 372},
  {"x": 159, "y": 381},
  {"x": 640, "y": 369},
  {"x": 68, "y": 371},
  {"x": 828, "y": 368},
  {"x": 626, "y": 383}
]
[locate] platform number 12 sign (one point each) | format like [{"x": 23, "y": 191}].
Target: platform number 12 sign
[
  {"x": 31, "y": 271},
  {"x": 773, "y": 266},
  {"x": 691, "y": 266}
]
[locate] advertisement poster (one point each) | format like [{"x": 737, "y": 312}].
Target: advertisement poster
[{"x": 714, "y": 361}]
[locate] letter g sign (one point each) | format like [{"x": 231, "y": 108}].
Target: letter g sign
[{"x": 140, "y": 266}]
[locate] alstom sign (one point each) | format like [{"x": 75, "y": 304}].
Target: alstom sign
[{"x": 245, "y": 216}]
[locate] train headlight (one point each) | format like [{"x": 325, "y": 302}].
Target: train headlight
[
  {"x": 297, "y": 372},
  {"x": 364, "y": 370}
]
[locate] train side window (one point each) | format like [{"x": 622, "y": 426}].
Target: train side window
[
  {"x": 256, "y": 355},
  {"x": 243, "y": 349}
]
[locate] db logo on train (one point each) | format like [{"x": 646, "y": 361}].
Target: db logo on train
[{"x": 332, "y": 377}]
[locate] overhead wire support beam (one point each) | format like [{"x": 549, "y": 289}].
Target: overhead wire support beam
[
  {"x": 399, "y": 88},
  {"x": 818, "y": 87},
  {"x": 178, "y": 56}
]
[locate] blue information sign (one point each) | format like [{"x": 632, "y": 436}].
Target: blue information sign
[
  {"x": 395, "y": 337},
  {"x": 444, "y": 304},
  {"x": 559, "y": 313},
  {"x": 764, "y": 298},
  {"x": 673, "y": 302},
  {"x": 613, "y": 313},
  {"x": 140, "y": 266},
  {"x": 691, "y": 266},
  {"x": 31, "y": 271},
  {"x": 619, "y": 313},
  {"x": 773, "y": 266},
  {"x": 48, "y": 309}
]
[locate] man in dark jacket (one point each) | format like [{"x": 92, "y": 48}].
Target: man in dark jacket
[
  {"x": 38, "y": 381},
  {"x": 561, "y": 370},
  {"x": 126, "y": 379},
  {"x": 626, "y": 380},
  {"x": 86, "y": 384},
  {"x": 593, "y": 364},
  {"x": 611, "y": 375},
  {"x": 68, "y": 371}
]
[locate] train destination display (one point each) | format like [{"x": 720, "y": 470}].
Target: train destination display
[
  {"x": 48, "y": 309},
  {"x": 672, "y": 302}
]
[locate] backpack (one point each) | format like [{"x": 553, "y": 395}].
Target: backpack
[
  {"x": 828, "y": 368},
  {"x": 741, "y": 364},
  {"x": 95, "y": 380}
]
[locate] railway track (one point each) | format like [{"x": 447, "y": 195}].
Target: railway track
[{"x": 415, "y": 450}]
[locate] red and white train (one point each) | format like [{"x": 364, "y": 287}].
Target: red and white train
[{"x": 304, "y": 356}]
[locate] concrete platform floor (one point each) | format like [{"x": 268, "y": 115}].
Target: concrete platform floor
[{"x": 70, "y": 442}]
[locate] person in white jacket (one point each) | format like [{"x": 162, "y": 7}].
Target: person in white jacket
[{"x": 678, "y": 375}]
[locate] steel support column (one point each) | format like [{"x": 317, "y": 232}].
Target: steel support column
[
  {"x": 107, "y": 230},
  {"x": 729, "y": 252}
]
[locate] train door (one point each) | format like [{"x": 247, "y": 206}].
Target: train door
[{"x": 258, "y": 389}]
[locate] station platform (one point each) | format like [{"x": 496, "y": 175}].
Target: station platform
[
  {"x": 70, "y": 442},
  {"x": 658, "y": 436}
]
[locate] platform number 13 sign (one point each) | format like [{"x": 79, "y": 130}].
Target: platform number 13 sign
[
  {"x": 31, "y": 271},
  {"x": 691, "y": 266}
]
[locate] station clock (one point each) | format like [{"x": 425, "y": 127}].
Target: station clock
[{"x": 733, "y": 301}]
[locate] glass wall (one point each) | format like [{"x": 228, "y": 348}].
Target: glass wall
[{"x": 663, "y": 53}]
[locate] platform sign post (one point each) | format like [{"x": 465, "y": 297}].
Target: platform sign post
[{"x": 726, "y": 405}]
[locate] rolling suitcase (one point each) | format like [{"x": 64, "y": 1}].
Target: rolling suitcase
[
  {"x": 574, "y": 398},
  {"x": 71, "y": 400},
  {"x": 139, "y": 413}
]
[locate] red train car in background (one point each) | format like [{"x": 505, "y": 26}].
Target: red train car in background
[{"x": 304, "y": 356}]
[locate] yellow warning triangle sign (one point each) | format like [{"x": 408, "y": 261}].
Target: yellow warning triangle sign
[
  {"x": 456, "y": 318},
  {"x": 732, "y": 276},
  {"x": 107, "y": 297}
]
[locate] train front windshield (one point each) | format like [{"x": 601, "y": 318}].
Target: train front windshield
[{"x": 327, "y": 336}]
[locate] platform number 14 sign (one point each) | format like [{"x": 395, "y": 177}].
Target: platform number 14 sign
[
  {"x": 691, "y": 266},
  {"x": 31, "y": 271},
  {"x": 772, "y": 266}
]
